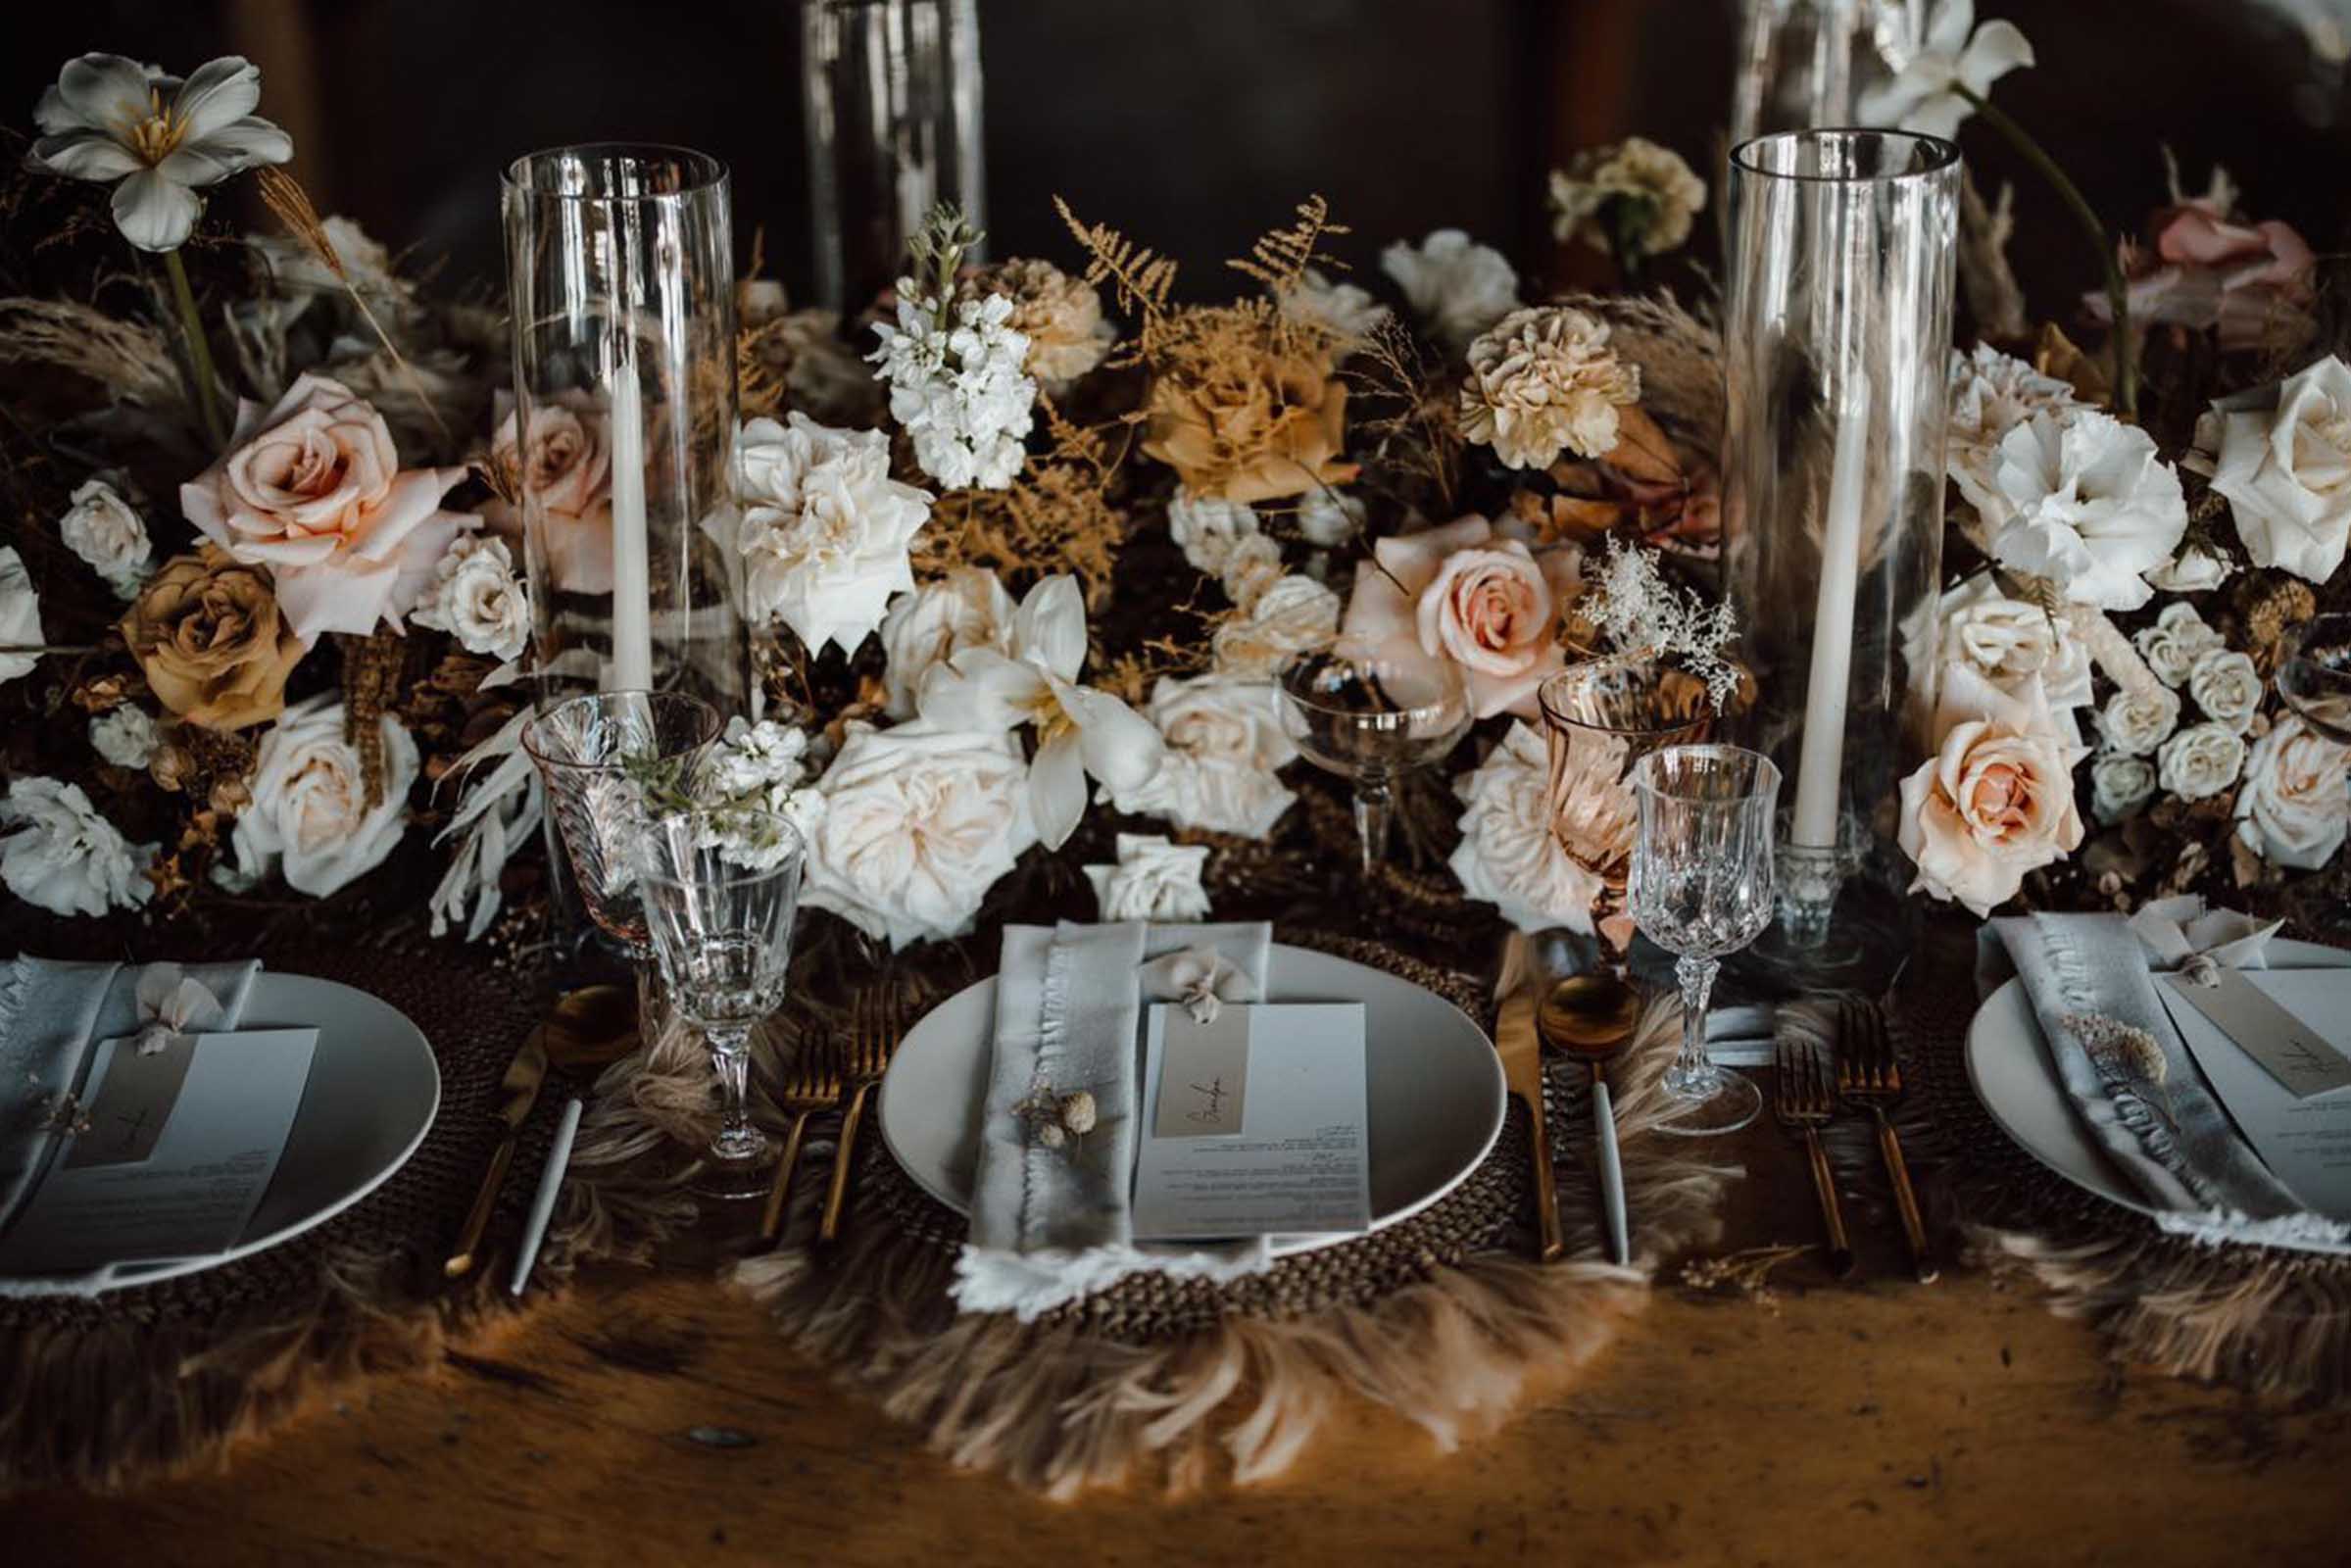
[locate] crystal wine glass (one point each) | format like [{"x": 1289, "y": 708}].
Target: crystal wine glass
[
  {"x": 720, "y": 886},
  {"x": 1701, "y": 888},
  {"x": 1370, "y": 717},
  {"x": 2315, "y": 675}
]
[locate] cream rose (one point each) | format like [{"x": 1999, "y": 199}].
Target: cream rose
[
  {"x": 1225, "y": 745},
  {"x": 310, "y": 813},
  {"x": 1153, "y": 879},
  {"x": 2135, "y": 725},
  {"x": 967, "y": 608},
  {"x": 561, "y": 469},
  {"x": 106, "y": 533},
  {"x": 313, "y": 490},
  {"x": 476, "y": 598},
  {"x": 19, "y": 616},
  {"x": 1508, "y": 856},
  {"x": 2119, "y": 786},
  {"x": 2009, "y": 641},
  {"x": 1461, "y": 594},
  {"x": 2296, "y": 801},
  {"x": 2173, "y": 645},
  {"x": 2286, "y": 471},
  {"x": 1288, "y": 618},
  {"x": 2227, "y": 686},
  {"x": 2200, "y": 762},
  {"x": 60, "y": 856},
  {"x": 1995, "y": 802},
  {"x": 124, "y": 736},
  {"x": 918, "y": 823},
  {"x": 1208, "y": 528}
]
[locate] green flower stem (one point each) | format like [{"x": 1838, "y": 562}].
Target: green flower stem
[
  {"x": 2117, "y": 292},
  {"x": 200, "y": 353}
]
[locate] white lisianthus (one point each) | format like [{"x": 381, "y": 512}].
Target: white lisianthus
[
  {"x": 917, "y": 824},
  {"x": 2200, "y": 760},
  {"x": 2085, "y": 501},
  {"x": 106, "y": 533},
  {"x": 2173, "y": 645},
  {"x": 2296, "y": 801},
  {"x": 1991, "y": 394},
  {"x": 1508, "y": 856},
  {"x": 2190, "y": 571},
  {"x": 476, "y": 598},
  {"x": 2119, "y": 786},
  {"x": 1079, "y": 730},
  {"x": 1153, "y": 880},
  {"x": 60, "y": 855},
  {"x": 109, "y": 119},
  {"x": 2227, "y": 686},
  {"x": 959, "y": 387},
  {"x": 1327, "y": 519},
  {"x": 1460, "y": 286},
  {"x": 19, "y": 616},
  {"x": 1208, "y": 529},
  {"x": 967, "y": 607},
  {"x": 124, "y": 736},
  {"x": 825, "y": 532},
  {"x": 1290, "y": 616},
  {"x": 1923, "y": 94},
  {"x": 1225, "y": 748},
  {"x": 1346, "y": 311},
  {"x": 310, "y": 813},
  {"x": 2135, "y": 725},
  {"x": 2286, "y": 471}
]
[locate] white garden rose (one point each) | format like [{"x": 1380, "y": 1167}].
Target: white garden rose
[
  {"x": 1991, "y": 394},
  {"x": 1509, "y": 856},
  {"x": 2135, "y": 725},
  {"x": 2085, "y": 501},
  {"x": 2297, "y": 798},
  {"x": 475, "y": 596},
  {"x": 124, "y": 736},
  {"x": 106, "y": 533},
  {"x": 2286, "y": 471},
  {"x": 1326, "y": 518},
  {"x": 1225, "y": 745},
  {"x": 310, "y": 813},
  {"x": 1208, "y": 529},
  {"x": 2227, "y": 686},
  {"x": 1293, "y": 614},
  {"x": 20, "y": 616},
  {"x": 1460, "y": 286},
  {"x": 825, "y": 532},
  {"x": 918, "y": 824},
  {"x": 2009, "y": 641},
  {"x": 1154, "y": 880},
  {"x": 2173, "y": 645},
  {"x": 967, "y": 608},
  {"x": 2191, "y": 571},
  {"x": 2119, "y": 786},
  {"x": 2200, "y": 762},
  {"x": 60, "y": 856}
]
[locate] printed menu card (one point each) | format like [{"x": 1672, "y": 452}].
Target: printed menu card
[{"x": 2275, "y": 1046}]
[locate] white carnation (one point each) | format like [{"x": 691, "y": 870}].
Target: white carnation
[
  {"x": 104, "y": 531},
  {"x": 960, "y": 389},
  {"x": 60, "y": 855},
  {"x": 124, "y": 736},
  {"x": 825, "y": 532},
  {"x": 2083, "y": 500},
  {"x": 1991, "y": 394}
]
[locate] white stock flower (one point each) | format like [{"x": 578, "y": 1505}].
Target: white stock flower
[
  {"x": 60, "y": 855},
  {"x": 2135, "y": 727},
  {"x": 2009, "y": 641},
  {"x": 1327, "y": 517},
  {"x": 109, "y": 119},
  {"x": 1346, "y": 311},
  {"x": 1207, "y": 529},
  {"x": 310, "y": 812},
  {"x": 1509, "y": 856},
  {"x": 967, "y": 607},
  {"x": 2173, "y": 645},
  {"x": 2119, "y": 786},
  {"x": 475, "y": 596},
  {"x": 1079, "y": 730},
  {"x": 1460, "y": 286},
  {"x": 2227, "y": 686},
  {"x": 1225, "y": 747},
  {"x": 825, "y": 532},
  {"x": 2200, "y": 762},
  {"x": 1290, "y": 616},
  {"x": 959, "y": 390},
  {"x": 107, "y": 534},
  {"x": 2190, "y": 571},
  {"x": 1991, "y": 394},
  {"x": 1543, "y": 381},
  {"x": 2286, "y": 472},
  {"x": 124, "y": 736},
  {"x": 1153, "y": 880},
  {"x": 1924, "y": 94},
  {"x": 19, "y": 616},
  {"x": 2296, "y": 800},
  {"x": 2086, "y": 502},
  {"x": 917, "y": 824}
]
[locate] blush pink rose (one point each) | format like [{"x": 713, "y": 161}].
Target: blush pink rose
[
  {"x": 313, "y": 490},
  {"x": 1457, "y": 592},
  {"x": 563, "y": 471},
  {"x": 2248, "y": 281},
  {"x": 1995, "y": 802}
]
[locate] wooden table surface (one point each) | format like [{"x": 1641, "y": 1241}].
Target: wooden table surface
[{"x": 1880, "y": 1421}]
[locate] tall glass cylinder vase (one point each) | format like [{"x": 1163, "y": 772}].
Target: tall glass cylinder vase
[
  {"x": 1836, "y": 346},
  {"x": 891, "y": 98},
  {"x": 1804, "y": 64}
]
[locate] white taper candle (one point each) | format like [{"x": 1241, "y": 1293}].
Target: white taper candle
[
  {"x": 1819, "y": 764},
  {"x": 631, "y": 667}
]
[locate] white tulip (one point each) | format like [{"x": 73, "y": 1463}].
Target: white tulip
[{"x": 1925, "y": 95}]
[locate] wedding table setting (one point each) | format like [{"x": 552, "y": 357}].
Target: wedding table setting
[{"x": 1347, "y": 910}]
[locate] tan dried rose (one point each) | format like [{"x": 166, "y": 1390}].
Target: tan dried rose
[
  {"x": 208, "y": 636},
  {"x": 1248, "y": 427}
]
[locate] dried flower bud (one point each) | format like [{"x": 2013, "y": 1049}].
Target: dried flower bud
[
  {"x": 103, "y": 695},
  {"x": 230, "y": 796},
  {"x": 1078, "y": 1112},
  {"x": 171, "y": 765},
  {"x": 1050, "y": 1135}
]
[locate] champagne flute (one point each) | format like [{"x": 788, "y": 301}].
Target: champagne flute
[
  {"x": 1370, "y": 715},
  {"x": 1701, "y": 887}
]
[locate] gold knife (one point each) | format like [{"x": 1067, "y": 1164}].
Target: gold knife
[
  {"x": 521, "y": 1087},
  {"x": 1521, "y": 1050}
]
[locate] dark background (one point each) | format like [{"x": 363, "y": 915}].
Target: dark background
[{"x": 1195, "y": 123}]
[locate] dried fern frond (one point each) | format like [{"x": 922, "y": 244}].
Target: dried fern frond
[
  {"x": 1140, "y": 279},
  {"x": 1280, "y": 258}
]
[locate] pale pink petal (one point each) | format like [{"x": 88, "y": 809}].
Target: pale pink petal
[
  {"x": 346, "y": 596},
  {"x": 1377, "y": 611},
  {"x": 1490, "y": 694},
  {"x": 415, "y": 495}
]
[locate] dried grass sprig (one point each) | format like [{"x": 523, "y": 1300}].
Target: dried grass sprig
[{"x": 131, "y": 359}]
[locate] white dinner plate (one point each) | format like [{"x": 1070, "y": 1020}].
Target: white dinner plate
[
  {"x": 371, "y": 1092},
  {"x": 2008, "y": 1061},
  {"x": 1433, "y": 1087}
]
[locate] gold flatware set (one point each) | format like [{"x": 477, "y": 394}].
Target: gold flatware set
[{"x": 1862, "y": 1076}]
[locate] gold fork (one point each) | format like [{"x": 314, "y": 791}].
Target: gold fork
[
  {"x": 814, "y": 1084},
  {"x": 872, "y": 1034},
  {"x": 1803, "y": 1102},
  {"x": 1868, "y": 1075}
]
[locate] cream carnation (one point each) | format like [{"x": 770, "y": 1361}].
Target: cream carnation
[
  {"x": 825, "y": 532},
  {"x": 1545, "y": 381},
  {"x": 310, "y": 810},
  {"x": 60, "y": 856},
  {"x": 2296, "y": 800}
]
